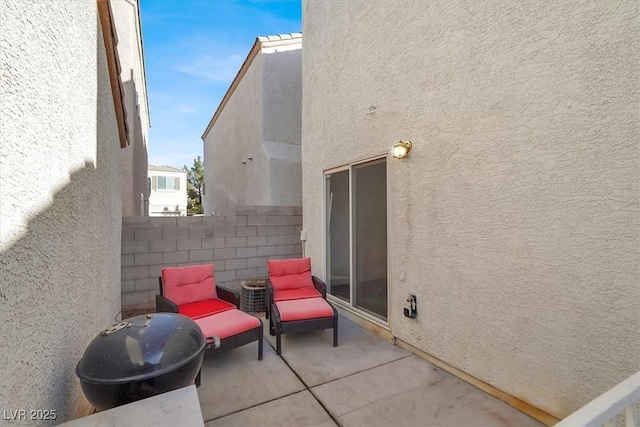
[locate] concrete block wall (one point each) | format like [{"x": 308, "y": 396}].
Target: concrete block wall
[{"x": 238, "y": 246}]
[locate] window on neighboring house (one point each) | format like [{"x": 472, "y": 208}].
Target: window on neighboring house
[{"x": 166, "y": 183}]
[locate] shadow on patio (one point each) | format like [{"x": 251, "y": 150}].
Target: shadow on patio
[{"x": 364, "y": 381}]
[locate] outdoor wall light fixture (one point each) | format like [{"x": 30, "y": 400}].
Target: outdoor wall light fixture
[{"x": 401, "y": 149}]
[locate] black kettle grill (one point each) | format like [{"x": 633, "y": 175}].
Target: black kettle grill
[{"x": 141, "y": 357}]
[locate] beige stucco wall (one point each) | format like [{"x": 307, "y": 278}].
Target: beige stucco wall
[
  {"x": 134, "y": 157},
  {"x": 261, "y": 120},
  {"x": 515, "y": 217},
  {"x": 59, "y": 201},
  {"x": 236, "y": 135},
  {"x": 282, "y": 85}
]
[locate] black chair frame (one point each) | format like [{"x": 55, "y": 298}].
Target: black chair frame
[
  {"x": 163, "y": 304},
  {"x": 317, "y": 283},
  {"x": 277, "y": 327}
]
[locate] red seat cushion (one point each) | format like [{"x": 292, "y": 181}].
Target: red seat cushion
[
  {"x": 290, "y": 273},
  {"x": 227, "y": 323},
  {"x": 289, "y": 294},
  {"x": 188, "y": 284},
  {"x": 199, "y": 309},
  {"x": 303, "y": 309}
]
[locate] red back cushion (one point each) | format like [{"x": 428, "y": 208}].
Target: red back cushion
[
  {"x": 290, "y": 273},
  {"x": 189, "y": 284}
]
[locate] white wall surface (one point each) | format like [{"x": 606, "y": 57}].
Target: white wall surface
[
  {"x": 515, "y": 217},
  {"x": 261, "y": 120},
  {"x": 171, "y": 200},
  {"x": 134, "y": 157},
  {"x": 60, "y": 201}
]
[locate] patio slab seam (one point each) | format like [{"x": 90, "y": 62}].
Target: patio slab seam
[
  {"x": 411, "y": 390},
  {"x": 279, "y": 392},
  {"x": 369, "y": 395},
  {"x": 356, "y": 373},
  {"x": 333, "y": 416},
  {"x": 255, "y": 406},
  {"x": 306, "y": 386},
  {"x": 316, "y": 381}
]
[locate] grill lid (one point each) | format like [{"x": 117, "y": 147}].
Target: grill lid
[{"x": 141, "y": 347}]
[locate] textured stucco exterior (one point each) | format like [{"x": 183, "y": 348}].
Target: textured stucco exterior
[
  {"x": 261, "y": 120},
  {"x": 515, "y": 217},
  {"x": 134, "y": 157},
  {"x": 60, "y": 206}
]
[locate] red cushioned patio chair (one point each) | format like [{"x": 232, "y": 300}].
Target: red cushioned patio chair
[
  {"x": 192, "y": 292},
  {"x": 297, "y": 300}
]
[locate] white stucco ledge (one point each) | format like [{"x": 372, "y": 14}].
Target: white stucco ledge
[{"x": 174, "y": 408}]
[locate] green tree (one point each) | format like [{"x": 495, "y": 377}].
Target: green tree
[{"x": 195, "y": 179}]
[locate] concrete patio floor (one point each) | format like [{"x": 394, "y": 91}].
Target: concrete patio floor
[{"x": 363, "y": 381}]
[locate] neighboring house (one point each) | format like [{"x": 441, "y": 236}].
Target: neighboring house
[
  {"x": 63, "y": 128},
  {"x": 252, "y": 143},
  {"x": 168, "y": 191},
  {"x": 133, "y": 158},
  {"x": 514, "y": 219}
]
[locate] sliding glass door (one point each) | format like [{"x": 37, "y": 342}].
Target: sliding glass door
[
  {"x": 369, "y": 211},
  {"x": 356, "y": 240}
]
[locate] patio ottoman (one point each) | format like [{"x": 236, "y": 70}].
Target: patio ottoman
[
  {"x": 302, "y": 315},
  {"x": 233, "y": 327}
]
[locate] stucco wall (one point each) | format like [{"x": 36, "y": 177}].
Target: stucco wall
[
  {"x": 59, "y": 201},
  {"x": 282, "y": 86},
  {"x": 134, "y": 157},
  {"x": 261, "y": 120},
  {"x": 515, "y": 217},
  {"x": 236, "y": 135}
]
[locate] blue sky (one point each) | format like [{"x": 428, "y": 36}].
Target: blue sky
[{"x": 193, "y": 50}]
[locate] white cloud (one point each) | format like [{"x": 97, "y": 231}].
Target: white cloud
[
  {"x": 213, "y": 69},
  {"x": 183, "y": 109}
]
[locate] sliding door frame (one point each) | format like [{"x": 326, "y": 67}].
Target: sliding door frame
[{"x": 351, "y": 305}]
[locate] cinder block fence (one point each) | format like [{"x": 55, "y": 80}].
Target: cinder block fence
[{"x": 238, "y": 246}]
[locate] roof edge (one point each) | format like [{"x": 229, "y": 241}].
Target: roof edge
[
  {"x": 110, "y": 40},
  {"x": 164, "y": 168},
  {"x": 136, "y": 5},
  {"x": 260, "y": 42}
]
